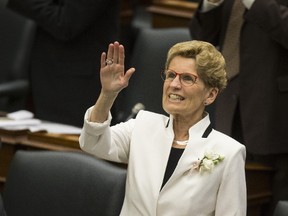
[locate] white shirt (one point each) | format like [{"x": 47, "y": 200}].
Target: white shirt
[{"x": 207, "y": 5}]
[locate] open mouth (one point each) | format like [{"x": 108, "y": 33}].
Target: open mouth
[{"x": 175, "y": 97}]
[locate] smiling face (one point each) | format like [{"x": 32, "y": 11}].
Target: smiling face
[{"x": 187, "y": 102}]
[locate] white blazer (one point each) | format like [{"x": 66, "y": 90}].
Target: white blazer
[{"x": 145, "y": 143}]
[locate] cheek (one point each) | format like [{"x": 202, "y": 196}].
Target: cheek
[
  {"x": 196, "y": 98},
  {"x": 164, "y": 89}
]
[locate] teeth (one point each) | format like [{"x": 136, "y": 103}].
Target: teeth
[{"x": 175, "y": 97}]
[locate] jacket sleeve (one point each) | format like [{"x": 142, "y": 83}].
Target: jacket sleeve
[
  {"x": 272, "y": 17},
  {"x": 109, "y": 143},
  {"x": 232, "y": 194},
  {"x": 63, "y": 19},
  {"x": 206, "y": 25}
]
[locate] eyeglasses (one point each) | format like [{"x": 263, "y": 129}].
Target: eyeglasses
[{"x": 186, "y": 79}]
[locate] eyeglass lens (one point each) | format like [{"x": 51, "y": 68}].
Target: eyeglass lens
[{"x": 185, "y": 78}]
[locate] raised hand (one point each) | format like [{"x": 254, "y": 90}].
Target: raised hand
[
  {"x": 113, "y": 80},
  {"x": 112, "y": 73}
]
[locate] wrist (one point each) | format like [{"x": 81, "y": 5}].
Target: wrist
[{"x": 108, "y": 94}]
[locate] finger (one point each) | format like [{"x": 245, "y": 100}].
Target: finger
[
  {"x": 121, "y": 55},
  {"x": 116, "y": 52},
  {"x": 110, "y": 51},
  {"x": 102, "y": 61},
  {"x": 129, "y": 73}
]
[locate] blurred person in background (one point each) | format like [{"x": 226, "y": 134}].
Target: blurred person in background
[
  {"x": 253, "y": 37},
  {"x": 70, "y": 36}
]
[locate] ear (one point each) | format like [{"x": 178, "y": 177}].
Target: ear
[{"x": 211, "y": 96}]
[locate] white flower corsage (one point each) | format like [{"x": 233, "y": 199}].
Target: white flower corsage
[{"x": 208, "y": 162}]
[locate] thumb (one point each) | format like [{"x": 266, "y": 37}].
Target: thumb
[{"x": 129, "y": 73}]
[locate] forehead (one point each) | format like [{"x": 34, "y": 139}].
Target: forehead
[{"x": 183, "y": 65}]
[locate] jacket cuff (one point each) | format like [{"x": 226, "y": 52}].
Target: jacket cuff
[{"x": 95, "y": 128}]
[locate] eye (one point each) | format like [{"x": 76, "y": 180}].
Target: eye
[
  {"x": 170, "y": 75},
  {"x": 188, "y": 78}
]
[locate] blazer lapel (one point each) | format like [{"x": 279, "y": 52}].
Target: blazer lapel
[{"x": 195, "y": 149}]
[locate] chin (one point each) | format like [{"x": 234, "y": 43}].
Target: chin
[
  {"x": 171, "y": 106},
  {"x": 172, "y": 110}
]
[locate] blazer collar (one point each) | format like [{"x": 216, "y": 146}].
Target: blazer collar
[{"x": 197, "y": 128}]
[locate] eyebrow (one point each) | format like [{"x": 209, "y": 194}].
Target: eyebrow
[{"x": 182, "y": 72}]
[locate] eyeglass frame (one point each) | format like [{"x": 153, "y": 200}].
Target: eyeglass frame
[{"x": 164, "y": 78}]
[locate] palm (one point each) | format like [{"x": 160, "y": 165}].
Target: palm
[{"x": 113, "y": 76}]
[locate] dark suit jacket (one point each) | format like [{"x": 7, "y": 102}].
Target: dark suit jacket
[
  {"x": 263, "y": 79},
  {"x": 65, "y": 62}
]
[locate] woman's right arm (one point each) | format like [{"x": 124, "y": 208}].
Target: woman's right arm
[
  {"x": 96, "y": 137},
  {"x": 113, "y": 80}
]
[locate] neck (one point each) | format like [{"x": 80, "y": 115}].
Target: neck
[
  {"x": 181, "y": 125},
  {"x": 181, "y": 131}
]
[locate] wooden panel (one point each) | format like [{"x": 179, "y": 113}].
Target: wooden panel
[
  {"x": 6, "y": 155},
  {"x": 127, "y": 9},
  {"x": 53, "y": 141},
  {"x": 259, "y": 187},
  {"x": 171, "y": 13},
  {"x": 126, "y": 12}
]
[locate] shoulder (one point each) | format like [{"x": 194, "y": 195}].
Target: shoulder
[
  {"x": 147, "y": 121},
  {"x": 227, "y": 144},
  {"x": 151, "y": 116}
]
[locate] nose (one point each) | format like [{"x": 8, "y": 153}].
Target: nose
[{"x": 176, "y": 82}]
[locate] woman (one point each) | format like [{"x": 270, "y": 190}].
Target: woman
[{"x": 177, "y": 165}]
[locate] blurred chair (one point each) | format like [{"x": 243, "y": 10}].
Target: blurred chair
[
  {"x": 16, "y": 38},
  {"x": 148, "y": 57},
  {"x": 281, "y": 208},
  {"x": 46, "y": 183}
]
